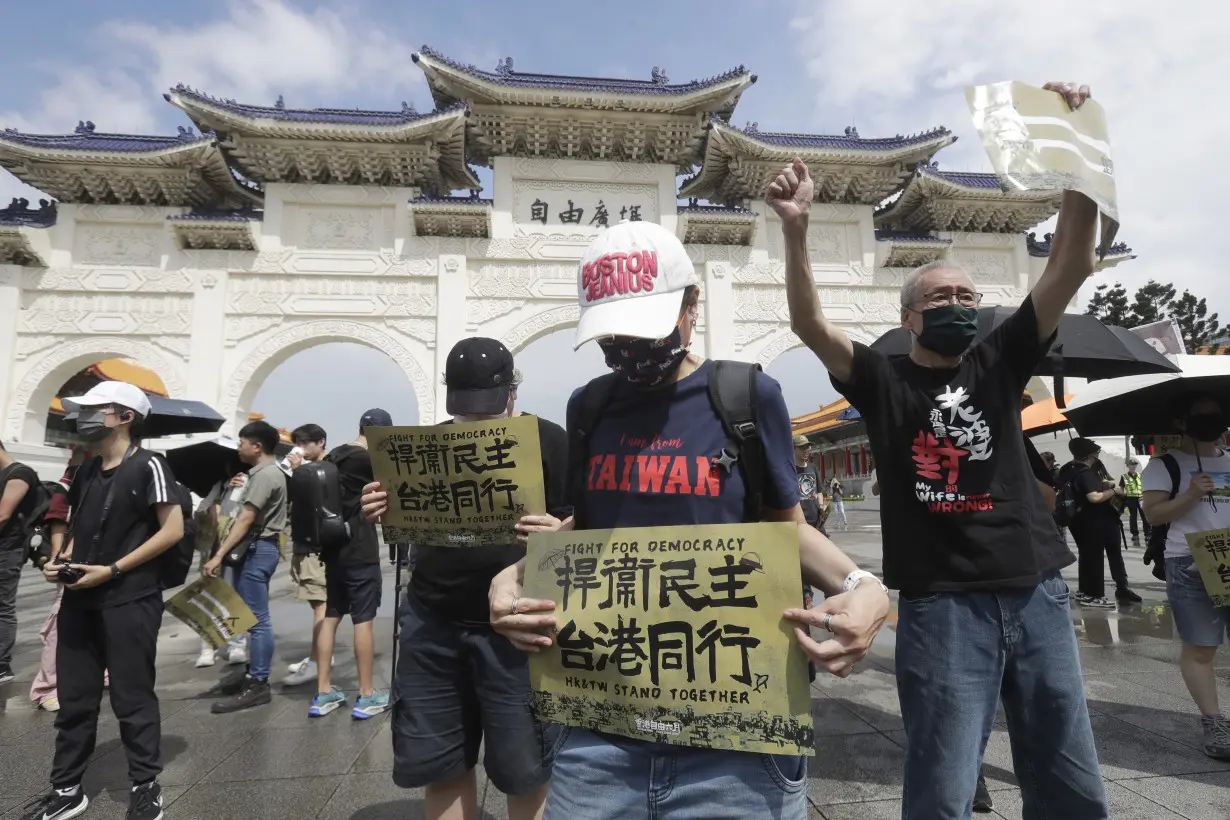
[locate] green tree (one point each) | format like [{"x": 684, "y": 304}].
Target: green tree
[
  {"x": 1109, "y": 305},
  {"x": 1150, "y": 303},
  {"x": 1196, "y": 326}
]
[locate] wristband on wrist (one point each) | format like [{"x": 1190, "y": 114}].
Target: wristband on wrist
[
  {"x": 857, "y": 577},
  {"x": 115, "y": 571}
]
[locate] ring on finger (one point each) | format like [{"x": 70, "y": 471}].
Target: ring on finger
[
  {"x": 827, "y": 623},
  {"x": 514, "y": 606}
]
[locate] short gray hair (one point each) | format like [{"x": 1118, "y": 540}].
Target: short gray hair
[{"x": 909, "y": 288}]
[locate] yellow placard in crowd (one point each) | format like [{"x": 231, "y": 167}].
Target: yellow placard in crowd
[
  {"x": 1212, "y": 553},
  {"x": 214, "y": 611},
  {"x": 459, "y": 485},
  {"x": 674, "y": 634}
]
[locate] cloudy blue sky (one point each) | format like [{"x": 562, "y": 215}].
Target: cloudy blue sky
[{"x": 889, "y": 67}]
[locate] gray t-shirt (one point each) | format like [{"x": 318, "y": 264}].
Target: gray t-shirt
[{"x": 266, "y": 491}]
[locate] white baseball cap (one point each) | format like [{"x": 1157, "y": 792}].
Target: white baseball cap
[
  {"x": 106, "y": 393},
  {"x": 630, "y": 282}
]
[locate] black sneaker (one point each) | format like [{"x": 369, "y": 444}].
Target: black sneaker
[
  {"x": 145, "y": 802},
  {"x": 254, "y": 693},
  {"x": 1125, "y": 595},
  {"x": 982, "y": 796},
  {"x": 58, "y": 804}
]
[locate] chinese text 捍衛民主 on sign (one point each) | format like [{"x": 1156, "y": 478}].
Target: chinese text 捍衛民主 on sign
[
  {"x": 459, "y": 485},
  {"x": 1212, "y": 553},
  {"x": 674, "y": 634}
]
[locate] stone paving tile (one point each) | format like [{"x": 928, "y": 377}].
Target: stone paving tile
[
  {"x": 273, "y": 753},
  {"x": 377, "y": 755},
  {"x": 870, "y": 693},
  {"x": 1124, "y": 805},
  {"x": 871, "y": 810},
  {"x": 287, "y": 799},
  {"x": 372, "y": 797},
  {"x": 1127, "y": 753},
  {"x": 854, "y": 768},
  {"x": 109, "y": 805},
  {"x": 832, "y": 718},
  {"x": 1196, "y": 797},
  {"x": 185, "y": 761}
]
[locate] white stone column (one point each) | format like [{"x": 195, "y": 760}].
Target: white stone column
[
  {"x": 10, "y": 304},
  {"x": 719, "y": 311},
  {"x": 208, "y": 337},
  {"x": 452, "y": 287}
]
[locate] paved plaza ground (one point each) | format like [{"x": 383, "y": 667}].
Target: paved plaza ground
[{"x": 273, "y": 762}]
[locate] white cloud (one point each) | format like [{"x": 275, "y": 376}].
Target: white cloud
[{"x": 1157, "y": 71}]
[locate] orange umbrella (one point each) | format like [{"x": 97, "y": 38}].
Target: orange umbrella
[{"x": 1044, "y": 417}]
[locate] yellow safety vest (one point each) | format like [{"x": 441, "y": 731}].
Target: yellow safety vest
[{"x": 1131, "y": 486}]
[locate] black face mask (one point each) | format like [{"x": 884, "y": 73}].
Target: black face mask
[
  {"x": 645, "y": 362},
  {"x": 1206, "y": 427},
  {"x": 92, "y": 425},
  {"x": 949, "y": 330}
]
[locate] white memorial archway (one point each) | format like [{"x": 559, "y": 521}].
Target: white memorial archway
[{"x": 212, "y": 255}]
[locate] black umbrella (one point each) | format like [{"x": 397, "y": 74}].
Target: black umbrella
[
  {"x": 174, "y": 417},
  {"x": 202, "y": 465},
  {"x": 1085, "y": 348},
  {"x": 1143, "y": 405}
]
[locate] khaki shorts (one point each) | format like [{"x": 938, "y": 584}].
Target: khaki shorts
[{"x": 308, "y": 573}]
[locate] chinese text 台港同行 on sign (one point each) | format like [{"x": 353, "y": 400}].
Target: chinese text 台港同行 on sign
[
  {"x": 1212, "y": 553},
  {"x": 459, "y": 485},
  {"x": 674, "y": 634},
  {"x": 213, "y": 610}
]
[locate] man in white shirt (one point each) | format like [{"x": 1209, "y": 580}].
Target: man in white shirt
[{"x": 1194, "y": 498}]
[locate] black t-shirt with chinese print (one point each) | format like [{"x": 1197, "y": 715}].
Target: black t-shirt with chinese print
[
  {"x": 966, "y": 512},
  {"x": 452, "y": 582}
]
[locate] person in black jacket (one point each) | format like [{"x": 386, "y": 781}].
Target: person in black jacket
[
  {"x": 460, "y": 685},
  {"x": 125, "y": 513}
]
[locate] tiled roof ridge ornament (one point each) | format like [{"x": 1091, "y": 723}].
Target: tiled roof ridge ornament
[
  {"x": 19, "y": 209},
  {"x": 933, "y": 165},
  {"x": 84, "y": 127},
  {"x": 504, "y": 67},
  {"x": 185, "y": 134},
  {"x": 408, "y": 109},
  {"x": 658, "y": 75},
  {"x": 852, "y": 132},
  {"x": 280, "y": 104},
  {"x": 752, "y": 128}
]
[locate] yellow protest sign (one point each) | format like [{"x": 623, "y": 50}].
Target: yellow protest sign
[
  {"x": 1037, "y": 143},
  {"x": 459, "y": 485},
  {"x": 1211, "y": 550},
  {"x": 674, "y": 634},
  {"x": 213, "y": 609}
]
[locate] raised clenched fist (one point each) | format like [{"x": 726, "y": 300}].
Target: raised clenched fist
[
  {"x": 1073, "y": 94},
  {"x": 790, "y": 194}
]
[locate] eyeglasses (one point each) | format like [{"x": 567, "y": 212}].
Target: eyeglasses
[{"x": 964, "y": 298}]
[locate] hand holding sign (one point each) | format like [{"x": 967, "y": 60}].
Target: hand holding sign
[
  {"x": 521, "y": 620},
  {"x": 375, "y": 502},
  {"x": 854, "y": 617}
]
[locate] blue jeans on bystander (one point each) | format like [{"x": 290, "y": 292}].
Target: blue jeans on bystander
[
  {"x": 958, "y": 654},
  {"x": 254, "y": 575}
]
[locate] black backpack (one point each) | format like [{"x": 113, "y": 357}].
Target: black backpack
[
  {"x": 732, "y": 392},
  {"x": 1155, "y": 550},
  {"x": 317, "y": 520},
  {"x": 37, "y": 536},
  {"x": 175, "y": 563},
  {"x": 1067, "y": 497}
]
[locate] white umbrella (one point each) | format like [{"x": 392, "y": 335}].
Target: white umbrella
[{"x": 1141, "y": 405}]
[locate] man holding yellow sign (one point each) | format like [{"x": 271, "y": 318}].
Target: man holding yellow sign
[
  {"x": 659, "y": 605},
  {"x": 1187, "y": 500}
]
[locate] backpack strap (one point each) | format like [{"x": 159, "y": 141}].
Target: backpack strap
[
  {"x": 593, "y": 398},
  {"x": 732, "y": 391},
  {"x": 1172, "y": 467}
]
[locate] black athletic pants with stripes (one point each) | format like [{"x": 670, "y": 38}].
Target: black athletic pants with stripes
[{"x": 121, "y": 640}]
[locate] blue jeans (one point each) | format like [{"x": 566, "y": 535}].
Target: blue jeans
[
  {"x": 254, "y": 575},
  {"x": 1197, "y": 621},
  {"x": 603, "y": 777},
  {"x": 958, "y": 654}
]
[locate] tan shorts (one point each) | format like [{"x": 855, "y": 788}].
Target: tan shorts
[{"x": 308, "y": 573}]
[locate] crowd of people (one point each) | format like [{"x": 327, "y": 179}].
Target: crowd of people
[{"x": 971, "y": 546}]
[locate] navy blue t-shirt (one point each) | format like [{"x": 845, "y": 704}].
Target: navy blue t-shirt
[{"x": 650, "y": 460}]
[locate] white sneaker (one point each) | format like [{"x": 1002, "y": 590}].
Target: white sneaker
[
  {"x": 298, "y": 665},
  {"x": 236, "y": 657},
  {"x": 207, "y": 658},
  {"x": 305, "y": 673}
]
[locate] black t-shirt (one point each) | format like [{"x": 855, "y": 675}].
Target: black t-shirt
[
  {"x": 354, "y": 472},
  {"x": 809, "y": 485},
  {"x": 453, "y": 581},
  {"x": 14, "y": 528},
  {"x": 141, "y": 483},
  {"x": 962, "y": 510},
  {"x": 1087, "y": 480}
]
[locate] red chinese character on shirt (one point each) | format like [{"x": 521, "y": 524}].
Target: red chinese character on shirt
[{"x": 931, "y": 457}]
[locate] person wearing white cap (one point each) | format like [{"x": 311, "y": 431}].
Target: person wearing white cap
[
  {"x": 125, "y": 513},
  {"x": 639, "y": 300}
]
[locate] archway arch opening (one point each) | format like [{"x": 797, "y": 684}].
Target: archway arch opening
[
  {"x": 552, "y": 371},
  {"x": 59, "y": 432},
  {"x": 805, "y": 383},
  {"x": 331, "y": 384}
]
